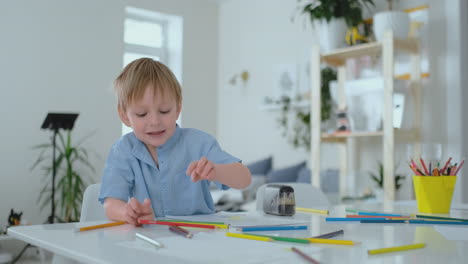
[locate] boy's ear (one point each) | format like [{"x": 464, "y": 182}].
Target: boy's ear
[
  {"x": 123, "y": 116},
  {"x": 179, "y": 109}
]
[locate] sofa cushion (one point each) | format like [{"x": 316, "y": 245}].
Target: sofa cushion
[
  {"x": 288, "y": 174},
  {"x": 261, "y": 167}
]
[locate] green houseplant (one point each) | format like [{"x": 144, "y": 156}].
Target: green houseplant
[
  {"x": 71, "y": 162},
  {"x": 336, "y": 21},
  {"x": 379, "y": 177},
  {"x": 349, "y": 10}
]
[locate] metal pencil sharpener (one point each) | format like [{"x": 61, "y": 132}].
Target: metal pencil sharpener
[{"x": 279, "y": 200}]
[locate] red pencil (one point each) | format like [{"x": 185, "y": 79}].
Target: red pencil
[
  {"x": 153, "y": 222},
  {"x": 424, "y": 166},
  {"x": 445, "y": 167},
  {"x": 306, "y": 257},
  {"x": 459, "y": 167}
]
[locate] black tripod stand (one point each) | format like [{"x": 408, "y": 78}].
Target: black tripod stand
[{"x": 56, "y": 121}]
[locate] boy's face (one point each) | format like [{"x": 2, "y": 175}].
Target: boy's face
[{"x": 152, "y": 118}]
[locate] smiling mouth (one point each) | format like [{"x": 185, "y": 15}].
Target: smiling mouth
[{"x": 157, "y": 133}]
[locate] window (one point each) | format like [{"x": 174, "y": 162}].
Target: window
[{"x": 153, "y": 35}]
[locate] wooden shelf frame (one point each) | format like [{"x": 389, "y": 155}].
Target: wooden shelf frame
[{"x": 385, "y": 48}]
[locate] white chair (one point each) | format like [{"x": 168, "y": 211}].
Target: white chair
[
  {"x": 91, "y": 208},
  {"x": 305, "y": 195}
]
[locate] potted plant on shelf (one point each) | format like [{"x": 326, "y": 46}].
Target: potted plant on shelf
[
  {"x": 332, "y": 18},
  {"x": 396, "y": 21},
  {"x": 72, "y": 164},
  {"x": 297, "y": 130},
  {"x": 379, "y": 180}
]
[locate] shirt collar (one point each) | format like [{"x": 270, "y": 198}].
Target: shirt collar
[{"x": 140, "y": 151}]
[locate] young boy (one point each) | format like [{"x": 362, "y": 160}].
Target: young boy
[{"x": 161, "y": 169}]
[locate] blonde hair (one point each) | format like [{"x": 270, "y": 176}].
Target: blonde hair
[{"x": 132, "y": 82}]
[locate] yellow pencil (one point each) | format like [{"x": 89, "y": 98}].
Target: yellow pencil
[
  {"x": 260, "y": 238},
  {"x": 331, "y": 241},
  {"x": 100, "y": 226},
  {"x": 308, "y": 210},
  {"x": 222, "y": 226},
  {"x": 394, "y": 249}
]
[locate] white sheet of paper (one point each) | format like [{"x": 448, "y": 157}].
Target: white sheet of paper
[
  {"x": 453, "y": 233},
  {"x": 240, "y": 219}
]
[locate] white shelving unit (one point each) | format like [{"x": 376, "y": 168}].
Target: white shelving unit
[{"x": 385, "y": 48}]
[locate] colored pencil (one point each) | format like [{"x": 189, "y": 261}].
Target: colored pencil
[
  {"x": 381, "y": 214},
  {"x": 330, "y": 235},
  {"x": 304, "y": 256},
  {"x": 153, "y": 222},
  {"x": 222, "y": 226},
  {"x": 388, "y": 221},
  {"x": 351, "y": 219},
  {"x": 441, "y": 218},
  {"x": 435, "y": 222},
  {"x": 331, "y": 241},
  {"x": 309, "y": 210},
  {"x": 285, "y": 239},
  {"x": 99, "y": 226},
  {"x": 445, "y": 166},
  {"x": 253, "y": 237},
  {"x": 459, "y": 167},
  {"x": 272, "y": 228},
  {"x": 424, "y": 166},
  {"x": 149, "y": 240},
  {"x": 367, "y": 213},
  {"x": 377, "y": 216},
  {"x": 180, "y": 231},
  {"x": 395, "y": 249},
  {"x": 193, "y": 222}
]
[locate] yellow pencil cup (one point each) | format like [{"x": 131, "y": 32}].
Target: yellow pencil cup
[{"x": 434, "y": 193}]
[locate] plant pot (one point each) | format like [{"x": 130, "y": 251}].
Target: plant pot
[
  {"x": 331, "y": 34},
  {"x": 397, "y": 21}
]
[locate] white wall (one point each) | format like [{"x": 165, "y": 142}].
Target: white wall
[
  {"x": 63, "y": 56},
  {"x": 256, "y": 35}
]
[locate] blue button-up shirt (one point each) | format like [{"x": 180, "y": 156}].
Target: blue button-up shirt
[{"x": 131, "y": 172}]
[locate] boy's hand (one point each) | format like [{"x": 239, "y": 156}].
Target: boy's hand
[
  {"x": 202, "y": 169},
  {"x": 135, "y": 210}
]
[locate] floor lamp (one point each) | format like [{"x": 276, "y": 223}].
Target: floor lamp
[{"x": 55, "y": 122}]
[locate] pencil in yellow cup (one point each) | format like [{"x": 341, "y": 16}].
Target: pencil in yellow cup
[
  {"x": 395, "y": 249},
  {"x": 100, "y": 226},
  {"x": 332, "y": 241},
  {"x": 259, "y": 238},
  {"x": 309, "y": 210}
]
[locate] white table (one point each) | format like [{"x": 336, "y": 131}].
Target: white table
[{"x": 119, "y": 245}]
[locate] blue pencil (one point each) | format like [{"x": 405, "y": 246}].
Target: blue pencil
[
  {"x": 437, "y": 222},
  {"x": 382, "y": 214},
  {"x": 332, "y": 219},
  {"x": 272, "y": 228},
  {"x": 382, "y": 221}
]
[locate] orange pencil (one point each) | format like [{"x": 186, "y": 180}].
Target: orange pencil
[{"x": 100, "y": 226}]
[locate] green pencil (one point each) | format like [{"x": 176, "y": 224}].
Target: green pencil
[
  {"x": 441, "y": 218},
  {"x": 285, "y": 239},
  {"x": 187, "y": 221}
]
